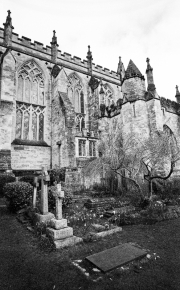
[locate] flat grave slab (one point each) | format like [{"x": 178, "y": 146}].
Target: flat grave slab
[
  {"x": 116, "y": 257},
  {"x": 120, "y": 210}
]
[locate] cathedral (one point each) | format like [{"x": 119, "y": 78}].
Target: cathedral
[{"x": 54, "y": 107}]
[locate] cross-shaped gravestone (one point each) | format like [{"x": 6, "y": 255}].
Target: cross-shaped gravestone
[
  {"x": 35, "y": 185},
  {"x": 44, "y": 192},
  {"x": 59, "y": 195}
]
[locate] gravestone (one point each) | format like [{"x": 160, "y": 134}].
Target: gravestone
[
  {"x": 95, "y": 203},
  {"x": 119, "y": 210},
  {"x": 61, "y": 234},
  {"x": 35, "y": 185},
  {"x": 44, "y": 215},
  {"x": 116, "y": 257}
]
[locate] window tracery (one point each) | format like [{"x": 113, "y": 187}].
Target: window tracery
[
  {"x": 80, "y": 122},
  {"x": 75, "y": 93},
  {"x": 106, "y": 97},
  {"x": 30, "y": 102}
]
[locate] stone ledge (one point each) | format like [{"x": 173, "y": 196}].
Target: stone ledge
[{"x": 30, "y": 143}]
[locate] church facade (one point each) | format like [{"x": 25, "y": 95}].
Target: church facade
[{"x": 55, "y": 107}]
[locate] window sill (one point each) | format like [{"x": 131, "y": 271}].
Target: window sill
[{"x": 30, "y": 143}]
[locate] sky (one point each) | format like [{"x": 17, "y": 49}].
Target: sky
[{"x": 132, "y": 29}]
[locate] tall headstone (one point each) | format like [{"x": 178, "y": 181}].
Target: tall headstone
[
  {"x": 44, "y": 191},
  {"x": 35, "y": 185},
  {"x": 44, "y": 215}
]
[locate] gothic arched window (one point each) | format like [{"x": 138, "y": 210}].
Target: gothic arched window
[
  {"x": 106, "y": 95},
  {"x": 80, "y": 122},
  {"x": 75, "y": 93},
  {"x": 30, "y": 103}
]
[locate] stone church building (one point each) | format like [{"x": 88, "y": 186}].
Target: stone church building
[{"x": 54, "y": 106}]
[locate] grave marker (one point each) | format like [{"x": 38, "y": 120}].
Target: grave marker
[
  {"x": 116, "y": 257},
  {"x": 61, "y": 234},
  {"x": 35, "y": 185},
  {"x": 44, "y": 191},
  {"x": 45, "y": 215}
]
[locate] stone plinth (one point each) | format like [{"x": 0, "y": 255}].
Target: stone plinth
[
  {"x": 60, "y": 234},
  {"x": 71, "y": 241},
  {"x": 58, "y": 224},
  {"x": 44, "y": 217}
]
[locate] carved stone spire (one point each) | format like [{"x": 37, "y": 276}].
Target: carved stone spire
[
  {"x": 177, "y": 96},
  {"x": 54, "y": 47},
  {"x": 89, "y": 60},
  {"x": 8, "y": 29},
  {"x": 149, "y": 72}
]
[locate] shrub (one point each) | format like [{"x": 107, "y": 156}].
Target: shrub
[
  {"x": 18, "y": 195},
  {"x": 28, "y": 178},
  {"x": 57, "y": 175},
  {"x": 5, "y": 178}
]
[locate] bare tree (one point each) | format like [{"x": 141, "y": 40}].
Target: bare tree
[
  {"x": 118, "y": 156},
  {"x": 126, "y": 156},
  {"x": 160, "y": 155}
]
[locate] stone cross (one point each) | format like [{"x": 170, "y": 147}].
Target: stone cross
[
  {"x": 44, "y": 191},
  {"x": 59, "y": 195},
  {"x": 36, "y": 184}
]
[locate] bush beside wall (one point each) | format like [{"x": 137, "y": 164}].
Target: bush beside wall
[
  {"x": 5, "y": 178},
  {"x": 18, "y": 194}
]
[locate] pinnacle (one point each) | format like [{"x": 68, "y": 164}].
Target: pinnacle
[{"x": 132, "y": 70}]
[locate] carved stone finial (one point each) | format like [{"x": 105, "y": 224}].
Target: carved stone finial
[
  {"x": 54, "y": 38},
  {"x": 148, "y": 65},
  {"x": 54, "y": 46},
  {"x": 8, "y": 29},
  {"x": 89, "y": 54},
  {"x": 177, "y": 90},
  {"x": 89, "y": 60},
  {"x": 150, "y": 80},
  {"x": 177, "y": 96},
  {"x": 119, "y": 66}
]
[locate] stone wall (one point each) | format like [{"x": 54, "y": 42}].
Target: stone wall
[{"x": 29, "y": 157}]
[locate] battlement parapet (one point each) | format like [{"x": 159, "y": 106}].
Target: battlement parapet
[
  {"x": 170, "y": 106},
  {"x": 37, "y": 48}
]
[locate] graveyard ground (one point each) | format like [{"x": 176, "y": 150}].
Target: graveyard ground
[{"x": 26, "y": 264}]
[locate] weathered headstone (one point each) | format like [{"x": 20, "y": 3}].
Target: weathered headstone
[
  {"x": 61, "y": 234},
  {"x": 59, "y": 197},
  {"x": 44, "y": 191},
  {"x": 35, "y": 185},
  {"x": 94, "y": 203},
  {"x": 44, "y": 215}
]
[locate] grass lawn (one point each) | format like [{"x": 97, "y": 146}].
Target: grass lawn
[{"x": 27, "y": 264}]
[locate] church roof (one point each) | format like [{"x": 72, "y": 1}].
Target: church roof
[{"x": 132, "y": 70}]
